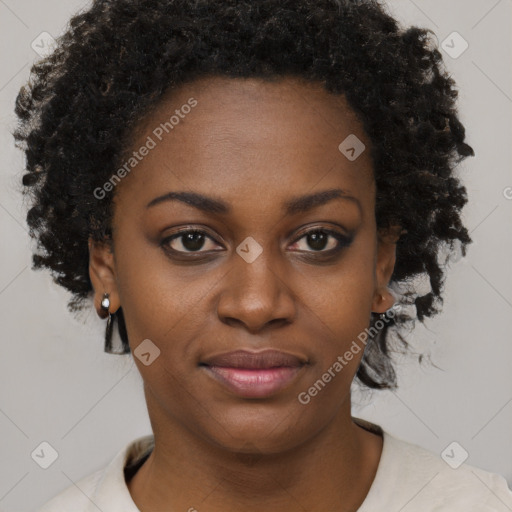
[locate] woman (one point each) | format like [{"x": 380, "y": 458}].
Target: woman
[{"x": 245, "y": 188}]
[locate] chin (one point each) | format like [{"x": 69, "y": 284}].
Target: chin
[{"x": 259, "y": 430}]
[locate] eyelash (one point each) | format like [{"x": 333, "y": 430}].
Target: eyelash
[{"x": 344, "y": 241}]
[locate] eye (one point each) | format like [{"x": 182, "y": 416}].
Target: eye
[
  {"x": 322, "y": 240},
  {"x": 191, "y": 240},
  {"x": 319, "y": 240}
]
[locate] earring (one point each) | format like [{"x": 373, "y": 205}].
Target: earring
[
  {"x": 105, "y": 301},
  {"x": 105, "y": 305},
  {"x": 380, "y": 316}
]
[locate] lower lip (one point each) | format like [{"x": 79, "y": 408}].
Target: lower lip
[{"x": 254, "y": 383}]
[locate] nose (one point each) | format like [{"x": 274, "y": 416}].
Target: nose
[{"x": 256, "y": 295}]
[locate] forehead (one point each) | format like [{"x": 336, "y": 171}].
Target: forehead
[{"x": 234, "y": 137}]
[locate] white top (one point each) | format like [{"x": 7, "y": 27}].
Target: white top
[{"x": 408, "y": 479}]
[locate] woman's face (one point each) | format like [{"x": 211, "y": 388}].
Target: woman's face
[{"x": 263, "y": 166}]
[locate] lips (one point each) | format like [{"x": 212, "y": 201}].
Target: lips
[
  {"x": 255, "y": 360},
  {"x": 254, "y": 374}
]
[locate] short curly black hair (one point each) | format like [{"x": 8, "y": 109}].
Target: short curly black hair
[{"x": 80, "y": 108}]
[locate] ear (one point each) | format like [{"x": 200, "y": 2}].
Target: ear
[
  {"x": 103, "y": 275},
  {"x": 384, "y": 266}
]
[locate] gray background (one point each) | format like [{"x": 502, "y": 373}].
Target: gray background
[{"x": 58, "y": 386}]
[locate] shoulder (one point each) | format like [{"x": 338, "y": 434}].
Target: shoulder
[
  {"x": 75, "y": 496},
  {"x": 410, "y": 478},
  {"x": 436, "y": 482},
  {"x": 104, "y": 489}
]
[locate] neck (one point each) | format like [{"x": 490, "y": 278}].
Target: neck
[{"x": 333, "y": 470}]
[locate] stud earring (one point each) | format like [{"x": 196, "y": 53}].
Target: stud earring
[
  {"x": 105, "y": 301},
  {"x": 105, "y": 305}
]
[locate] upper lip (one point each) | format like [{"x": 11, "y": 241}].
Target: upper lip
[{"x": 247, "y": 359}]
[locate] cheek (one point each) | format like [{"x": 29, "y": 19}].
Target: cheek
[
  {"x": 158, "y": 299},
  {"x": 347, "y": 290},
  {"x": 165, "y": 310},
  {"x": 341, "y": 329},
  {"x": 342, "y": 310}
]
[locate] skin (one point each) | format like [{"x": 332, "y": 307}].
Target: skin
[{"x": 254, "y": 145}]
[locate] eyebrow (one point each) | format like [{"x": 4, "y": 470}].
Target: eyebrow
[{"x": 293, "y": 206}]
